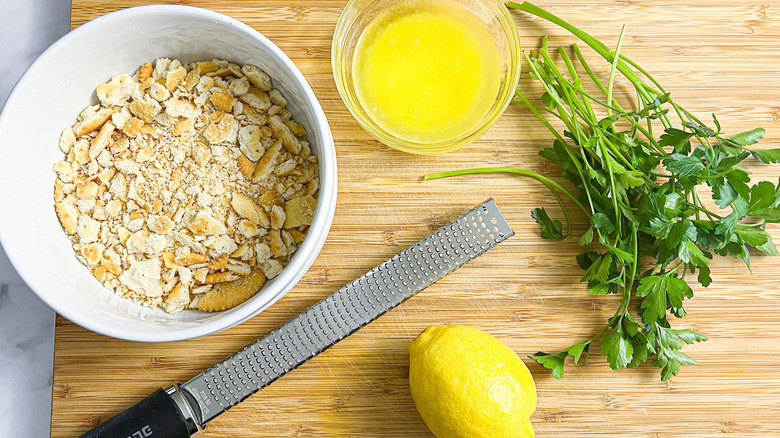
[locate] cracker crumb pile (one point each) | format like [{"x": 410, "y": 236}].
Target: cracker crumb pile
[{"x": 188, "y": 185}]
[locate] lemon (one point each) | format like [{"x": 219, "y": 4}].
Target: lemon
[{"x": 468, "y": 384}]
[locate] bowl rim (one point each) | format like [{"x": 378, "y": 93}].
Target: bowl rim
[
  {"x": 326, "y": 205},
  {"x": 443, "y": 146}
]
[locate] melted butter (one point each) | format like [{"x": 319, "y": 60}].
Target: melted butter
[{"x": 427, "y": 71}]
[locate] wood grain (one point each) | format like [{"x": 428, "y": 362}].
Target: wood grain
[{"x": 714, "y": 56}]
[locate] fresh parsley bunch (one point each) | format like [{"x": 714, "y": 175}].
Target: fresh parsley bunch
[{"x": 638, "y": 176}]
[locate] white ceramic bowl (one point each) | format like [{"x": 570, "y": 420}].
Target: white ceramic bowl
[{"x": 53, "y": 92}]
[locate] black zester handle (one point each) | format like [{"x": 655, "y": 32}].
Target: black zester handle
[{"x": 157, "y": 416}]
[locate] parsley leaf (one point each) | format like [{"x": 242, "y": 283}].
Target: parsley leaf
[
  {"x": 691, "y": 254},
  {"x": 683, "y": 165},
  {"x": 553, "y": 362},
  {"x": 724, "y": 195},
  {"x": 601, "y": 222},
  {"x": 748, "y": 138},
  {"x": 551, "y": 229},
  {"x": 757, "y": 238},
  {"x": 618, "y": 348},
  {"x": 678, "y": 139},
  {"x": 661, "y": 292},
  {"x": 577, "y": 350},
  {"x": 682, "y": 231},
  {"x": 766, "y": 156}
]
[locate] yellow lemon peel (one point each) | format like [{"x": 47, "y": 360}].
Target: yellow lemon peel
[{"x": 468, "y": 384}]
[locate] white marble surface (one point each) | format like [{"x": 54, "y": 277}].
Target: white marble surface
[{"x": 26, "y": 323}]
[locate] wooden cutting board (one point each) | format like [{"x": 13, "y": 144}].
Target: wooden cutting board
[{"x": 715, "y": 56}]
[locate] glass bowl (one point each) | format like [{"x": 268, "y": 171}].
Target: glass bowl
[{"x": 356, "y": 17}]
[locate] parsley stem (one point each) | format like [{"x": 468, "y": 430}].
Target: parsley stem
[
  {"x": 705, "y": 211},
  {"x": 593, "y": 77},
  {"x": 563, "y": 207},
  {"x": 563, "y": 142},
  {"x": 628, "y": 286},
  {"x": 613, "y": 188},
  {"x": 615, "y": 62},
  {"x": 675, "y": 268},
  {"x": 699, "y": 205},
  {"x": 544, "y": 180},
  {"x": 719, "y": 175},
  {"x": 577, "y": 84}
]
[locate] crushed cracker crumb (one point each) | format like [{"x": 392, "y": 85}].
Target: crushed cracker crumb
[{"x": 185, "y": 177}]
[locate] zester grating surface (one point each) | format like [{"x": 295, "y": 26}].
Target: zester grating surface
[{"x": 229, "y": 382}]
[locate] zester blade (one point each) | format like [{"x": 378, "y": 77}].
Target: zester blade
[{"x": 258, "y": 364}]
